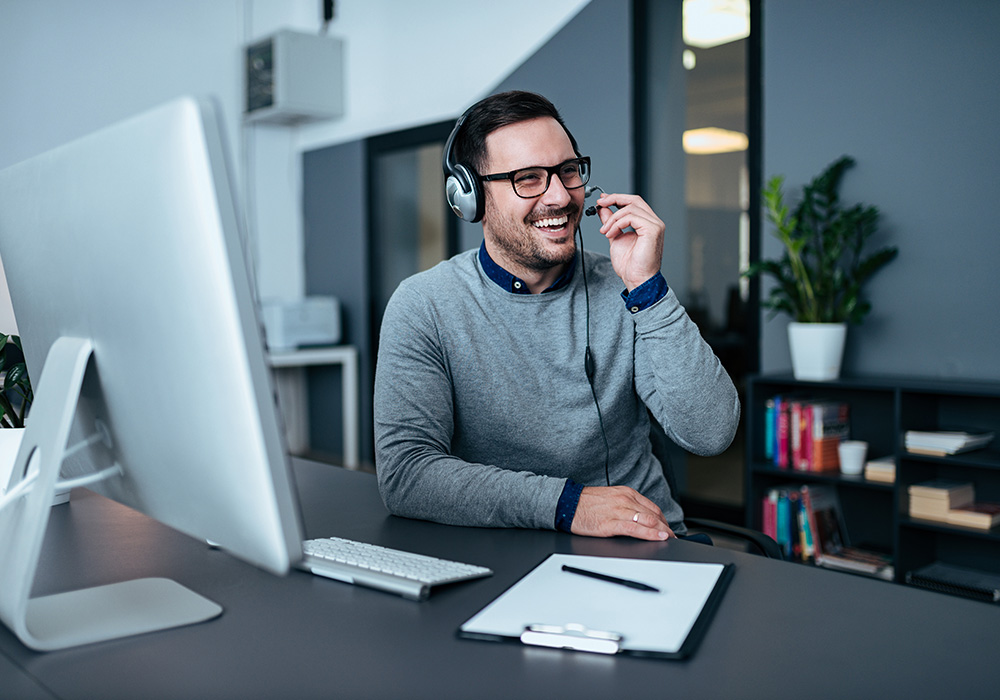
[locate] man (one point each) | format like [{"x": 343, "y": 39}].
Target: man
[{"x": 513, "y": 383}]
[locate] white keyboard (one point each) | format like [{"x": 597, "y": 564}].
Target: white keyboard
[{"x": 404, "y": 573}]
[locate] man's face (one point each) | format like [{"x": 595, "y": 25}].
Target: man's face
[{"x": 535, "y": 234}]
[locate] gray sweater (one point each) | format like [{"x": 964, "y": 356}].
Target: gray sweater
[{"x": 483, "y": 409}]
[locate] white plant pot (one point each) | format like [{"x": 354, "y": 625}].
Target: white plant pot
[{"x": 817, "y": 349}]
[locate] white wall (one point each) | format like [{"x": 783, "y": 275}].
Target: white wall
[{"x": 69, "y": 67}]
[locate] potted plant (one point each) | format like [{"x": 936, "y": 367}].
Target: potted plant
[
  {"x": 15, "y": 390},
  {"x": 822, "y": 269}
]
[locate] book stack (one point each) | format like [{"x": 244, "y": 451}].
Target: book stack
[
  {"x": 941, "y": 443},
  {"x": 802, "y": 519},
  {"x": 803, "y": 433},
  {"x": 952, "y": 502},
  {"x": 982, "y": 516},
  {"x": 807, "y": 524},
  {"x": 934, "y": 499},
  {"x": 882, "y": 469}
]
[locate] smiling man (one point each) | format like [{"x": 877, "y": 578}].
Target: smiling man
[{"x": 515, "y": 382}]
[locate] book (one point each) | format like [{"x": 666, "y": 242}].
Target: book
[
  {"x": 928, "y": 510},
  {"x": 934, "y": 516},
  {"x": 770, "y": 437},
  {"x": 945, "y": 442},
  {"x": 800, "y": 430},
  {"x": 882, "y": 469},
  {"x": 809, "y": 522},
  {"x": 793, "y": 525},
  {"x": 796, "y": 427},
  {"x": 954, "y": 493},
  {"x": 781, "y": 432},
  {"x": 808, "y": 553},
  {"x": 781, "y": 530},
  {"x": 829, "y": 533},
  {"x": 978, "y": 515},
  {"x": 770, "y": 515},
  {"x": 957, "y": 580},
  {"x": 860, "y": 561}
]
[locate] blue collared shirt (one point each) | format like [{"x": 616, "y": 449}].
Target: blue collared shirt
[
  {"x": 513, "y": 284},
  {"x": 640, "y": 298}
]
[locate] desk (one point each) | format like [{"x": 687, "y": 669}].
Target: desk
[
  {"x": 289, "y": 371},
  {"x": 782, "y": 630}
]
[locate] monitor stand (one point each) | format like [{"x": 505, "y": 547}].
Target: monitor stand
[{"x": 91, "y": 614}]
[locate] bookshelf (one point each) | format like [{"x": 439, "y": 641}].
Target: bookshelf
[{"x": 875, "y": 514}]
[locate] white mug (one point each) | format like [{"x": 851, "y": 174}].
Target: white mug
[{"x": 852, "y": 456}]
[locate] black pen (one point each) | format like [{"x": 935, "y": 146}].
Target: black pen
[{"x": 611, "y": 579}]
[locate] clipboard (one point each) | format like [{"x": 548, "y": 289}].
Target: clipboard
[{"x": 553, "y": 608}]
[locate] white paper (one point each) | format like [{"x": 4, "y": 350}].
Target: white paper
[{"x": 647, "y": 621}]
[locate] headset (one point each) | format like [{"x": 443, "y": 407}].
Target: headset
[{"x": 462, "y": 189}]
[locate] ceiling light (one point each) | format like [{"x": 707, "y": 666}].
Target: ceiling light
[
  {"x": 710, "y": 140},
  {"x": 709, "y": 23}
]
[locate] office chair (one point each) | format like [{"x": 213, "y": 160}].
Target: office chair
[{"x": 756, "y": 542}]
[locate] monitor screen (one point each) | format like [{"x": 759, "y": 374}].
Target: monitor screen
[{"x": 123, "y": 255}]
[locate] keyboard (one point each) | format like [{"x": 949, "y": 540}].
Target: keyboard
[{"x": 403, "y": 573}]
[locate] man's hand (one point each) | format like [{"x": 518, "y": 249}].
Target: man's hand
[
  {"x": 606, "y": 511},
  {"x": 636, "y": 255}
]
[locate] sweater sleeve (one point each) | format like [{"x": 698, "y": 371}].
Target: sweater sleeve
[
  {"x": 418, "y": 475},
  {"x": 681, "y": 380}
]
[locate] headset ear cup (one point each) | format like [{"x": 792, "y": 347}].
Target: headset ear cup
[{"x": 464, "y": 193}]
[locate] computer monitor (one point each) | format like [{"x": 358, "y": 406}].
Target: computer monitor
[{"x": 126, "y": 270}]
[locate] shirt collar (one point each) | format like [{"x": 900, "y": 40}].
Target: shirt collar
[{"x": 511, "y": 283}]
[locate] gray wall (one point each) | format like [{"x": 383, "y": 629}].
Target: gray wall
[
  {"x": 336, "y": 246},
  {"x": 910, "y": 89}
]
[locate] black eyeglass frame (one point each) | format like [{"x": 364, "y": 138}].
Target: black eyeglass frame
[{"x": 583, "y": 161}]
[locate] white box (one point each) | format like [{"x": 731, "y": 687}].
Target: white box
[
  {"x": 309, "y": 321},
  {"x": 293, "y": 77}
]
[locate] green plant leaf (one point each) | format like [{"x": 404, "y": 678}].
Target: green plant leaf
[
  {"x": 17, "y": 376},
  {"x": 16, "y": 385},
  {"x": 820, "y": 274},
  {"x": 875, "y": 262}
]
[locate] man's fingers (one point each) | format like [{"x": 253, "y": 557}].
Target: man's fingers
[
  {"x": 606, "y": 511},
  {"x": 628, "y": 206},
  {"x": 649, "y": 526}
]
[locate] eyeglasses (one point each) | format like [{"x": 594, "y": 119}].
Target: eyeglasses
[{"x": 534, "y": 182}]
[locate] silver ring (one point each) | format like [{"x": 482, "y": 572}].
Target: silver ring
[{"x": 635, "y": 518}]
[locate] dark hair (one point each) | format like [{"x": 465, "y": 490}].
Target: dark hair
[{"x": 494, "y": 112}]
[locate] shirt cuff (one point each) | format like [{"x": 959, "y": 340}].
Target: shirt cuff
[
  {"x": 646, "y": 294},
  {"x": 566, "y": 507}
]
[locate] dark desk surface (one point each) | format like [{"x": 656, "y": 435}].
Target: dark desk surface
[{"x": 782, "y": 629}]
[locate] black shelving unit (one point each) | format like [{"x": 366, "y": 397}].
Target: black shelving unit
[{"x": 882, "y": 409}]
